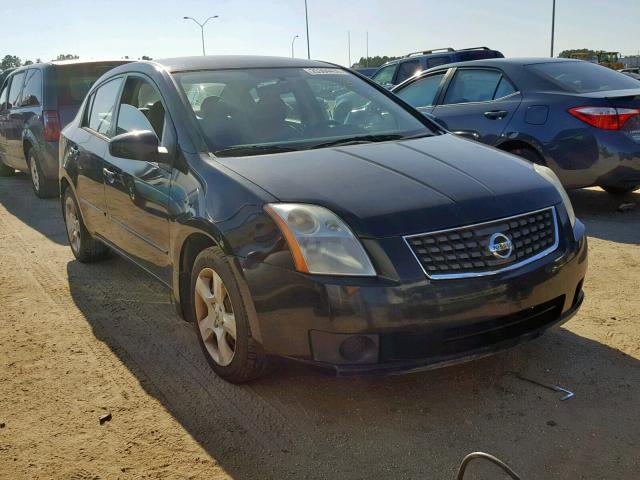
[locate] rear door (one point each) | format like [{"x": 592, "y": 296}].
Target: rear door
[
  {"x": 137, "y": 191},
  {"x": 29, "y": 111},
  {"x": 478, "y": 103},
  {"x": 4, "y": 118},
  {"x": 12, "y": 124},
  {"x": 88, "y": 145}
]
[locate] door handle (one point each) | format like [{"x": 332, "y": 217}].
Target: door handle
[
  {"x": 109, "y": 175},
  {"x": 496, "y": 114}
]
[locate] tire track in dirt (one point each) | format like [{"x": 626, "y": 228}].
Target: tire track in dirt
[{"x": 170, "y": 368}]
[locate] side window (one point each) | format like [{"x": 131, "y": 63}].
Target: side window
[
  {"x": 385, "y": 76},
  {"x": 437, "y": 61},
  {"x": 140, "y": 108},
  {"x": 15, "y": 89},
  {"x": 87, "y": 110},
  {"x": 407, "y": 70},
  {"x": 422, "y": 93},
  {"x": 472, "y": 85},
  {"x": 504, "y": 88},
  {"x": 3, "y": 96},
  {"x": 104, "y": 101},
  {"x": 32, "y": 91}
]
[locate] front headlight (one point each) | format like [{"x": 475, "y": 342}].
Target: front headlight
[
  {"x": 548, "y": 174},
  {"x": 319, "y": 241}
]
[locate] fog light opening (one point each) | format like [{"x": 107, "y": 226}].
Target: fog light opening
[{"x": 356, "y": 348}]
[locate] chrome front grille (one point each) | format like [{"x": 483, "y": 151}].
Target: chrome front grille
[{"x": 464, "y": 251}]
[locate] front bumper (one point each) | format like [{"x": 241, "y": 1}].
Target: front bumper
[{"x": 417, "y": 323}]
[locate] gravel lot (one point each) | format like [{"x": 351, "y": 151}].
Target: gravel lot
[{"x": 80, "y": 341}]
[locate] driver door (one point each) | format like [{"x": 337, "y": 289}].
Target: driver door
[{"x": 137, "y": 191}]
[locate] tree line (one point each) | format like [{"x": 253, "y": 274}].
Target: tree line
[
  {"x": 374, "y": 62},
  {"x": 13, "y": 61}
]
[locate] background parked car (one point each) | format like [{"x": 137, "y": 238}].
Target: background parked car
[
  {"x": 36, "y": 101},
  {"x": 580, "y": 119},
  {"x": 367, "y": 72},
  {"x": 397, "y": 71}
]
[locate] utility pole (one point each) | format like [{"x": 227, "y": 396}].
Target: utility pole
[
  {"x": 201, "y": 25},
  {"x": 367, "y": 48},
  {"x": 553, "y": 26},
  {"x": 349, "y": 46},
  {"x": 306, "y": 18}
]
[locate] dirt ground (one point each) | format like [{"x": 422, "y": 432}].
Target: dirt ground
[{"x": 80, "y": 341}]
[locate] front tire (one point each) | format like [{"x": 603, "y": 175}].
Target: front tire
[
  {"x": 221, "y": 321},
  {"x": 84, "y": 247},
  {"x": 43, "y": 187},
  {"x": 620, "y": 190}
]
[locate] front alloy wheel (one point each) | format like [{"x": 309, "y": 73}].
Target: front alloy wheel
[
  {"x": 214, "y": 314},
  {"x": 219, "y": 314}
]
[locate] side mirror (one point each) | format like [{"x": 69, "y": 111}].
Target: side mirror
[{"x": 137, "y": 145}]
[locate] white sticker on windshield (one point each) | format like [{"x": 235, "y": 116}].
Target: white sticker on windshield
[{"x": 325, "y": 71}]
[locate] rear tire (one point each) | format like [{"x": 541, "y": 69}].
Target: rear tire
[
  {"x": 43, "y": 187},
  {"x": 6, "y": 171},
  {"x": 84, "y": 247},
  {"x": 220, "y": 320},
  {"x": 620, "y": 190}
]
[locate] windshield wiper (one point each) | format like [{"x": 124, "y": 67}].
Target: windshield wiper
[
  {"x": 368, "y": 139},
  {"x": 243, "y": 150},
  {"x": 359, "y": 139}
]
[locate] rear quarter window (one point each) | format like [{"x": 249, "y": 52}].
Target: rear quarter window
[{"x": 583, "y": 77}]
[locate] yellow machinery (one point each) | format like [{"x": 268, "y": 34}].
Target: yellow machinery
[{"x": 609, "y": 59}]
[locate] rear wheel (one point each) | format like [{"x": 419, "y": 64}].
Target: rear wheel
[
  {"x": 84, "y": 247},
  {"x": 620, "y": 190},
  {"x": 43, "y": 187},
  {"x": 221, "y": 321},
  {"x": 6, "y": 171}
]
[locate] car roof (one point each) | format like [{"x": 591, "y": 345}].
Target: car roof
[
  {"x": 78, "y": 61},
  {"x": 497, "y": 62},
  {"x": 218, "y": 62}
]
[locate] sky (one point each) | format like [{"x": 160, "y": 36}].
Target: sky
[{"x": 115, "y": 28}]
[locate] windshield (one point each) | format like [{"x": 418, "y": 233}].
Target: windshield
[
  {"x": 584, "y": 77},
  {"x": 75, "y": 80},
  {"x": 256, "y": 111}
]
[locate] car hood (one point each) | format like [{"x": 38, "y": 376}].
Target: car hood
[{"x": 404, "y": 187}]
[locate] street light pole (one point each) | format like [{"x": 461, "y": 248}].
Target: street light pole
[
  {"x": 553, "y": 26},
  {"x": 367, "y": 48},
  {"x": 292, "y": 42},
  {"x": 349, "y": 46},
  {"x": 306, "y": 18},
  {"x": 201, "y": 25}
]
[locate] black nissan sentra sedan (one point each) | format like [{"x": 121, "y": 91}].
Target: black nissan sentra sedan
[{"x": 372, "y": 243}]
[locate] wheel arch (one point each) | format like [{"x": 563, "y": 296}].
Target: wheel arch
[{"x": 511, "y": 144}]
